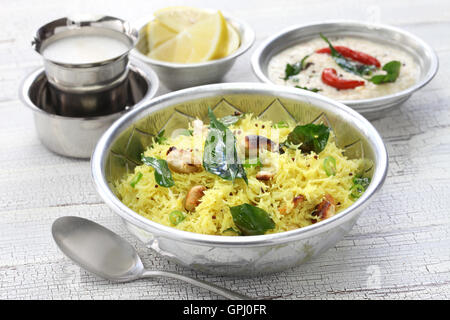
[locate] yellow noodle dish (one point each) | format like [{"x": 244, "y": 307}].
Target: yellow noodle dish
[{"x": 242, "y": 176}]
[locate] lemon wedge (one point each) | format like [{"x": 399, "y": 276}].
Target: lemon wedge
[
  {"x": 157, "y": 33},
  {"x": 180, "y": 18},
  {"x": 234, "y": 40},
  {"x": 175, "y": 50},
  {"x": 206, "y": 39}
]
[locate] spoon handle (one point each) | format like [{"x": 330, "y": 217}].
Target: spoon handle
[{"x": 199, "y": 283}]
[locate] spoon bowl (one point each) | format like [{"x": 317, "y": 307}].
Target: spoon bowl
[
  {"x": 97, "y": 249},
  {"x": 109, "y": 256}
]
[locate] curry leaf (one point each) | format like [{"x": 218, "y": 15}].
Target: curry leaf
[
  {"x": 392, "y": 69},
  {"x": 310, "y": 137},
  {"x": 294, "y": 69},
  {"x": 308, "y": 89},
  {"x": 163, "y": 176},
  {"x": 220, "y": 155},
  {"x": 251, "y": 220},
  {"x": 348, "y": 65},
  {"x": 160, "y": 139}
]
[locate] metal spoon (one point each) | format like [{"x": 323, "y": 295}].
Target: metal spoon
[{"x": 104, "y": 253}]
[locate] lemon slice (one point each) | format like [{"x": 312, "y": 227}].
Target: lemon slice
[
  {"x": 177, "y": 49},
  {"x": 180, "y": 18},
  {"x": 157, "y": 33},
  {"x": 207, "y": 39},
  {"x": 234, "y": 40}
]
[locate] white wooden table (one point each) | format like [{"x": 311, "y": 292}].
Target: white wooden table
[{"x": 400, "y": 247}]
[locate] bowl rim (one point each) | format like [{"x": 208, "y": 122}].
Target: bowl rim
[
  {"x": 100, "y": 155},
  {"x": 241, "y": 50},
  {"x": 429, "y": 75},
  {"x": 147, "y": 74}
]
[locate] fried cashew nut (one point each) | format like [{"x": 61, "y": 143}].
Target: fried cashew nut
[
  {"x": 183, "y": 161},
  {"x": 264, "y": 175},
  {"x": 254, "y": 143},
  {"x": 326, "y": 209},
  {"x": 193, "y": 197}
]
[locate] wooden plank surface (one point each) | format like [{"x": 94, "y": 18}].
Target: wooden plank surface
[{"x": 399, "y": 248}]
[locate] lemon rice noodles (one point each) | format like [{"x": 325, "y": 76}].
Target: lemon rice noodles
[{"x": 300, "y": 191}]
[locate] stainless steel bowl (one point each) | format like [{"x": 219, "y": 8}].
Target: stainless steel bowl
[
  {"x": 85, "y": 76},
  {"x": 77, "y": 136},
  {"x": 119, "y": 150},
  {"x": 178, "y": 75},
  {"x": 372, "y": 108}
]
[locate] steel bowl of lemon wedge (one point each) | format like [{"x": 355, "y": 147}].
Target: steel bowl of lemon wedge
[{"x": 190, "y": 46}]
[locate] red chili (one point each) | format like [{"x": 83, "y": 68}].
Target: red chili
[
  {"x": 354, "y": 55},
  {"x": 329, "y": 77}
]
